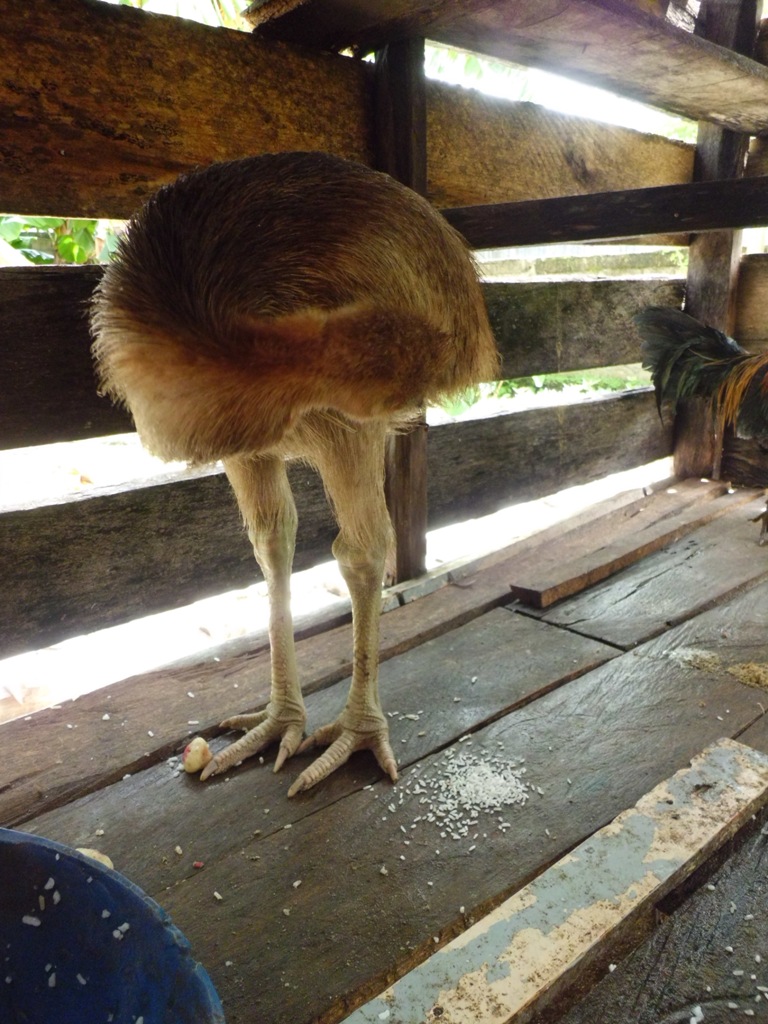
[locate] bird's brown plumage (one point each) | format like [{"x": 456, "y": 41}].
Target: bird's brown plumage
[{"x": 283, "y": 306}]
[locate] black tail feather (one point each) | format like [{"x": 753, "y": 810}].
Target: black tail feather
[{"x": 685, "y": 358}]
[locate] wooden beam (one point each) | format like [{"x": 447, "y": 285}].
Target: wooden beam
[
  {"x": 400, "y": 140},
  {"x": 91, "y": 560},
  {"x": 713, "y": 258},
  {"x": 151, "y": 108},
  {"x": 699, "y": 206},
  {"x": 50, "y": 390},
  {"x": 616, "y": 44}
]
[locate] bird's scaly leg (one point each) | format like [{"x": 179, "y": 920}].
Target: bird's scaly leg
[
  {"x": 353, "y": 470},
  {"x": 264, "y": 496}
]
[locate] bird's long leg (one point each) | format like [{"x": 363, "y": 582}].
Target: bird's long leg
[
  {"x": 265, "y": 500},
  {"x": 352, "y": 469}
]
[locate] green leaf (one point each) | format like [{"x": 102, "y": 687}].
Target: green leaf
[{"x": 45, "y": 222}]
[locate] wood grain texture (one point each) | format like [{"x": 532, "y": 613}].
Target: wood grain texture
[
  {"x": 699, "y": 206},
  {"x": 580, "y": 731},
  {"x": 71, "y": 148},
  {"x": 619, "y": 45},
  {"x": 98, "y": 559},
  {"x": 689, "y": 576},
  {"x": 50, "y": 393},
  {"x": 547, "y": 575}
]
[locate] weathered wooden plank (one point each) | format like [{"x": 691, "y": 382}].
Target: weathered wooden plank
[
  {"x": 91, "y": 151},
  {"x": 512, "y": 458},
  {"x": 682, "y": 580},
  {"x": 93, "y": 560},
  {"x": 97, "y": 559},
  {"x": 529, "y": 950},
  {"x": 556, "y": 326},
  {"x": 374, "y": 926},
  {"x": 543, "y": 576},
  {"x": 620, "y": 46},
  {"x": 442, "y": 663},
  {"x": 751, "y": 326},
  {"x": 687, "y": 961},
  {"x": 541, "y": 327},
  {"x": 45, "y": 359},
  {"x": 158, "y": 700},
  {"x": 699, "y": 206}
]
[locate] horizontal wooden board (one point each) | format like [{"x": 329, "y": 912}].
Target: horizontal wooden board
[
  {"x": 528, "y": 951},
  {"x": 698, "y": 206},
  {"x": 541, "y": 327},
  {"x": 574, "y": 742},
  {"x": 99, "y": 559},
  {"x": 548, "y": 574},
  {"x": 686, "y": 577},
  {"x": 625, "y": 47},
  {"x": 70, "y": 149}
]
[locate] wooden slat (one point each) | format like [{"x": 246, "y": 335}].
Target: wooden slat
[
  {"x": 713, "y": 258},
  {"x": 548, "y": 574},
  {"x": 45, "y": 359},
  {"x": 394, "y": 918},
  {"x": 751, "y": 327},
  {"x": 400, "y": 142},
  {"x": 619, "y": 45},
  {"x": 531, "y": 949},
  {"x": 74, "y": 150},
  {"x": 691, "y": 575},
  {"x": 50, "y": 393},
  {"x": 96, "y": 560},
  {"x": 700, "y": 206}
]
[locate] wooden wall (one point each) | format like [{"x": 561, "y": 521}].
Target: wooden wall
[{"x": 160, "y": 96}]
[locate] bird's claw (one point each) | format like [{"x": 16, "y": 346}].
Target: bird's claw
[
  {"x": 342, "y": 741},
  {"x": 263, "y": 728}
]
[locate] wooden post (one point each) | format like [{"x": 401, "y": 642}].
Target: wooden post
[
  {"x": 401, "y": 150},
  {"x": 713, "y": 260}
]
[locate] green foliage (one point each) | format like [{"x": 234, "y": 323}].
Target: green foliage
[{"x": 60, "y": 239}]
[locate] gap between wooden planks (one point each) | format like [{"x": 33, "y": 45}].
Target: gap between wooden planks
[{"x": 525, "y": 952}]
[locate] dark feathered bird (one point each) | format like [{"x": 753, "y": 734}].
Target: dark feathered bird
[{"x": 688, "y": 359}]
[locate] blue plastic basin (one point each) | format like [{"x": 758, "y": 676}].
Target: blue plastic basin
[{"x": 80, "y": 944}]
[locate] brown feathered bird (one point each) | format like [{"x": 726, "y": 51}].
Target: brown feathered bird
[
  {"x": 293, "y": 306},
  {"x": 688, "y": 359}
]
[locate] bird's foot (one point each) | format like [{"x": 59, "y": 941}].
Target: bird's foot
[
  {"x": 262, "y": 728},
  {"x": 343, "y": 737}
]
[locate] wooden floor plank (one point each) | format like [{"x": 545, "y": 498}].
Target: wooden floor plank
[
  {"x": 433, "y": 682},
  {"x": 685, "y": 578},
  {"x": 522, "y": 955},
  {"x": 543, "y": 576},
  {"x": 84, "y": 753},
  {"x": 592, "y": 746}
]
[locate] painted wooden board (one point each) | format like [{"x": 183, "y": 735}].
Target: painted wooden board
[
  {"x": 543, "y": 576},
  {"x": 519, "y": 955},
  {"x": 708, "y": 954},
  {"x": 614, "y": 733},
  {"x": 686, "y": 577}
]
